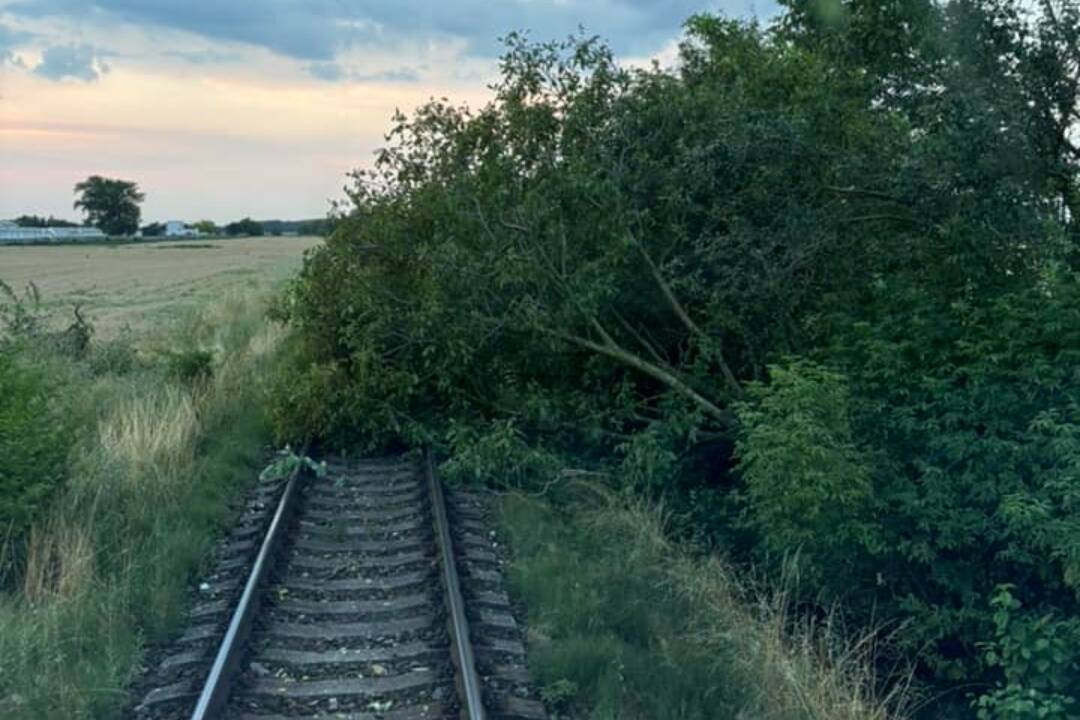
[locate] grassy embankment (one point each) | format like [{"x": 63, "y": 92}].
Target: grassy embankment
[
  {"x": 626, "y": 624},
  {"x": 117, "y": 465}
]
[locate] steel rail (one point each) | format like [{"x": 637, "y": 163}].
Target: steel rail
[
  {"x": 215, "y": 692},
  {"x": 461, "y": 645}
]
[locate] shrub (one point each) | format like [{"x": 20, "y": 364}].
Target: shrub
[
  {"x": 190, "y": 367},
  {"x": 970, "y": 409},
  {"x": 934, "y": 466},
  {"x": 35, "y": 438},
  {"x": 808, "y": 487},
  {"x": 113, "y": 357}
]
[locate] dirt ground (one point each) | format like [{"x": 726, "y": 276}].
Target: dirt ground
[{"x": 140, "y": 285}]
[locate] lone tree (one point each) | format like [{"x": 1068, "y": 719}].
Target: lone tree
[{"x": 110, "y": 205}]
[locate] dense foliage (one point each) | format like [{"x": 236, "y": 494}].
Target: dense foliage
[
  {"x": 37, "y": 419},
  {"x": 34, "y": 433},
  {"x": 110, "y": 205},
  {"x": 816, "y": 286}
]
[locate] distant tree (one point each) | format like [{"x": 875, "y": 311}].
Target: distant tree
[
  {"x": 321, "y": 227},
  {"x": 153, "y": 230},
  {"x": 247, "y": 226},
  {"x": 110, "y": 205},
  {"x": 272, "y": 227},
  {"x": 35, "y": 221},
  {"x": 207, "y": 227}
]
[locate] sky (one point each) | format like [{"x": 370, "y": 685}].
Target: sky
[{"x": 221, "y": 109}]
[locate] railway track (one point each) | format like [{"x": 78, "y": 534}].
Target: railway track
[{"x": 369, "y": 594}]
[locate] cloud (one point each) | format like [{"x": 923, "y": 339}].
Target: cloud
[
  {"x": 335, "y": 72},
  {"x": 399, "y": 75},
  {"x": 294, "y": 28},
  {"x": 318, "y": 30},
  {"x": 81, "y": 62},
  {"x": 9, "y": 40},
  {"x": 204, "y": 56},
  {"x": 329, "y": 71}
]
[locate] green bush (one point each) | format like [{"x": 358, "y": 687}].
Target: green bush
[
  {"x": 977, "y": 459},
  {"x": 1036, "y": 656},
  {"x": 35, "y": 439},
  {"x": 112, "y": 357},
  {"x": 190, "y": 367},
  {"x": 808, "y": 488},
  {"x": 917, "y": 489},
  {"x": 791, "y": 245}
]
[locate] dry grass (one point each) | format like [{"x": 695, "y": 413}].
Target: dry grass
[
  {"x": 151, "y": 435},
  {"x": 789, "y": 667},
  {"x": 792, "y": 666},
  {"x": 60, "y": 562}
]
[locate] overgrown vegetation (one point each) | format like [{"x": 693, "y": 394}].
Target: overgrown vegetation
[
  {"x": 815, "y": 287},
  {"x": 34, "y": 427},
  {"x": 625, "y": 624},
  {"x": 117, "y": 465}
]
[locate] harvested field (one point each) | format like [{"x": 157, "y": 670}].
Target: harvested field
[{"x": 139, "y": 285}]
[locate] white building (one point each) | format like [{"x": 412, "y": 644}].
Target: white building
[
  {"x": 12, "y": 234},
  {"x": 177, "y": 228}
]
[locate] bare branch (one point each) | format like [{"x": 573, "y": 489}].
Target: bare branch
[
  {"x": 616, "y": 352},
  {"x": 858, "y": 192},
  {"x": 878, "y": 216},
  {"x": 638, "y": 336},
  {"x": 680, "y": 312}
]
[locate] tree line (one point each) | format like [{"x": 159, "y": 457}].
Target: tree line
[
  {"x": 112, "y": 205},
  {"x": 37, "y": 221}
]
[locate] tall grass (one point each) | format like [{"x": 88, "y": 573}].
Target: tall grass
[
  {"x": 155, "y": 462},
  {"x": 624, "y": 624},
  {"x": 151, "y": 434}
]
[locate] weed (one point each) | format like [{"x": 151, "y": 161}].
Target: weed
[{"x": 287, "y": 462}]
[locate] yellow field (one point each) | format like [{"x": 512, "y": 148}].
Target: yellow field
[{"x": 142, "y": 285}]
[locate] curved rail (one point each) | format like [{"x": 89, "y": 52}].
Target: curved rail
[
  {"x": 461, "y": 645},
  {"x": 215, "y": 692}
]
